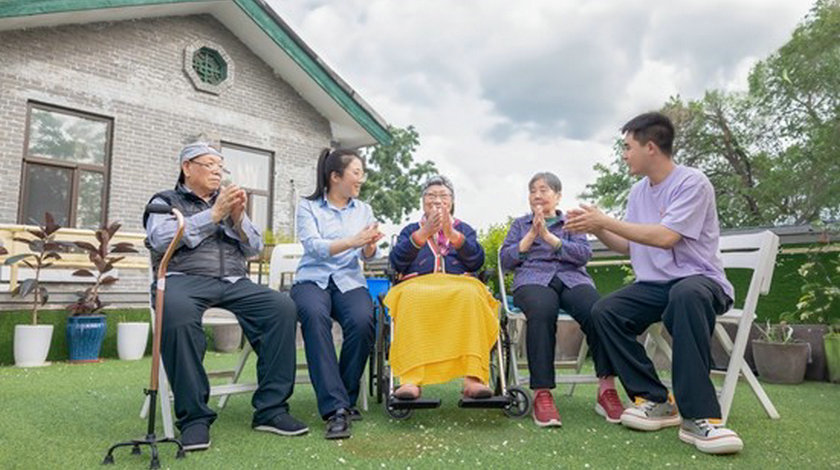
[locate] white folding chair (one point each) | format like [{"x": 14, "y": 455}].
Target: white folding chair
[
  {"x": 516, "y": 325},
  {"x": 757, "y": 252},
  {"x": 281, "y": 272},
  {"x": 212, "y": 316}
]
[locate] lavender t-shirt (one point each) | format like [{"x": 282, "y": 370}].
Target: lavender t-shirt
[{"x": 685, "y": 203}]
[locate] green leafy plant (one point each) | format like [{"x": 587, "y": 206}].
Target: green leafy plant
[
  {"x": 104, "y": 256},
  {"x": 779, "y": 333},
  {"x": 491, "y": 239},
  {"x": 44, "y": 251},
  {"x": 820, "y": 281}
]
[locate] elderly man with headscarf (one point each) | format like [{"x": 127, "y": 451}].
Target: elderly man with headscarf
[
  {"x": 208, "y": 269},
  {"x": 445, "y": 320}
]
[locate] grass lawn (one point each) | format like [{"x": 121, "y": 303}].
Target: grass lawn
[{"x": 66, "y": 416}]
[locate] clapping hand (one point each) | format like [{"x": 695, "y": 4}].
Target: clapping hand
[
  {"x": 231, "y": 201},
  {"x": 587, "y": 219}
]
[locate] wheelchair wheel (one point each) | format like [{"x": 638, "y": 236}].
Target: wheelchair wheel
[
  {"x": 398, "y": 414},
  {"x": 520, "y": 402},
  {"x": 381, "y": 355}
]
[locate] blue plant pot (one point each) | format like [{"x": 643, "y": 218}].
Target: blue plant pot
[{"x": 84, "y": 337}]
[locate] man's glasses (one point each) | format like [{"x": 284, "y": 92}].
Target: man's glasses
[{"x": 212, "y": 166}]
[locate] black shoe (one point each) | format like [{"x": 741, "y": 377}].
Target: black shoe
[
  {"x": 338, "y": 425},
  {"x": 355, "y": 414},
  {"x": 196, "y": 437},
  {"x": 283, "y": 424}
]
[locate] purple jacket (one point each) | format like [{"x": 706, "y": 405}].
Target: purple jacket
[
  {"x": 541, "y": 262},
  {"x": 408, "y": 259}
]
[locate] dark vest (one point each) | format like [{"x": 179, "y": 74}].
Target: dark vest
[{"x": 216, "y": 256}]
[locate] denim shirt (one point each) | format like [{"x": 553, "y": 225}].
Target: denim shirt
[
  {"x": 541, "y": 263},
  {"x": 319, "y": 223}
]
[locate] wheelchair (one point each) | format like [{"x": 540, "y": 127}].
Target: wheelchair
[{"x": 513, "y": 400}]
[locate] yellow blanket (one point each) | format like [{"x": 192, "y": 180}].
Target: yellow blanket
[{"x": 444, "y": 328}]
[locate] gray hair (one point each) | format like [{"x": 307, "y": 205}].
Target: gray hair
[
  {"x": 438, "y": 180},
  {"x": 550, "y": 179}
]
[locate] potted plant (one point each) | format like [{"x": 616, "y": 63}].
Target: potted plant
[
  {"x": 820, "y": 299},
  {"x": 32, "y": 342},
  {"x": 132, "y": 338},
  {"x": 779, "y": 357},
  {"x": 86, "y": 324}
]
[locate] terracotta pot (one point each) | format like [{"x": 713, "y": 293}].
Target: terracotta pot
[{"x": 781, "y": 363}]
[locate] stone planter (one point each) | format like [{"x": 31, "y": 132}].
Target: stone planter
[
  {"x": 781, "y": 363},
  {"x": 132, "y": 338},
  {"x": 832, "y": 356},
  {"x": 813, "y": 335},
  {"x": 569, "y": 337},
  {"x": 32, "y": 344},
  {"x": 227, "y": 338},
  {"x": 720, "y": 359}
]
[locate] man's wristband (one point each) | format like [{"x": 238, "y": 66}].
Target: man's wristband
[{"x": 559, "y": 245}]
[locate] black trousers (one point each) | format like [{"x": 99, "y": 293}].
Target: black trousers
[
  {"x": 268, "y": 320},
  {"x": 688, "y": 308},
  {"x": 540, "y": 305},
  {"x": 336, "y": 381}
]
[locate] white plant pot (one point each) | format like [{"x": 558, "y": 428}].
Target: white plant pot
[
  {"x": 131, "y": 340},
  {"x": 32, "y": 344}
]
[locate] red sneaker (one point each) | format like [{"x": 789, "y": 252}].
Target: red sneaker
[
  {"x": 545, "y": 413},
  {"x": 609, "y": 406}
]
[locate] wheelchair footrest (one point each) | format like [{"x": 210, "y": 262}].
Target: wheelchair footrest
[
  {"x": 420, "y": 403},
  {"x": 492, "y": 402}
]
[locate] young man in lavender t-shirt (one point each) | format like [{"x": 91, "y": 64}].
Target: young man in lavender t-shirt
[{"x": 671, "y": 233}]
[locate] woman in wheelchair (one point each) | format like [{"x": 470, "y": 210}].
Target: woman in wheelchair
[
  {"x": 445, "y": 322},
  {"x": 549, "y": 267}
]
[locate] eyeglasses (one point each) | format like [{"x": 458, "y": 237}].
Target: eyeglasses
[
  {"x": 362, "y": 177},
  {"x": 440, "y": 196},
  {"x": 212, "y": 166}
]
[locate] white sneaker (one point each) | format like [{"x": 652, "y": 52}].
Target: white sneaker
[
  {"x": 647, "y": 415},
  {"x": 709, "y": 436}
]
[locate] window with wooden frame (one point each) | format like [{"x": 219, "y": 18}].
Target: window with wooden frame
[
  {"x": 66, "y": 166},
  {"x": 253, "y": 170}
]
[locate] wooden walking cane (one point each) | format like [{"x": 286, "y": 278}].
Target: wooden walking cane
[{"x": 151, "y": 439}]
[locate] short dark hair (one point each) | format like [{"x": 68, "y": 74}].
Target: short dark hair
[{"x": 652, "y": 126}]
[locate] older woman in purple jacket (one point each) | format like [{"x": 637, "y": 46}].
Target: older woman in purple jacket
[{"x": 549, "y": 266}]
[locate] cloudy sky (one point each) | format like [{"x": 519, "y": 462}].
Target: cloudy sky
[{"x": 499, "y": 90}]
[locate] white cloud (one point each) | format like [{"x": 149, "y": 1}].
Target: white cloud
[{"x": 501, "y": 90}]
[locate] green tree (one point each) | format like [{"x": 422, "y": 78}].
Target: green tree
[
  {"x": 394, "y": 178},
  {"x": 491, "y": 239},
  {"x": 771, "y": 153},
  {"x": 612, "y": 186},
  {"x": 798, "y": 88}
]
